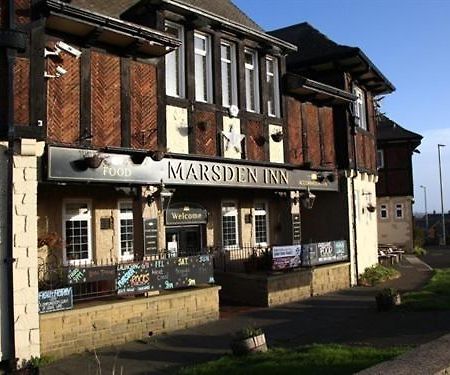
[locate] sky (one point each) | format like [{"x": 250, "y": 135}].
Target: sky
[{"x": 409, "y": 41}]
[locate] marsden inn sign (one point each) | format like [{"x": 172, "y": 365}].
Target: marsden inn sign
[{"x": 68, "y": 164}]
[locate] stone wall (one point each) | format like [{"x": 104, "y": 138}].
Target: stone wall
[
  {"x": 272, "y": 290},
  {"x": 116, "y": 322}
]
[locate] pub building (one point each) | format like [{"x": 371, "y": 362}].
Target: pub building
[{"x": 142, "y": 137}]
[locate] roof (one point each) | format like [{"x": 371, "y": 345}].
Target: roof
[
  {"x": 389, "y": 130},
  {"x": 315, "y": 48},
  {"x": 111, "y": 8}
]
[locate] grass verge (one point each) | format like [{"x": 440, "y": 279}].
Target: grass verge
[
  {"x": 377, "y": 274},
  {"x": 433, "y": 296},
  {"x": 313, "y": 359}
]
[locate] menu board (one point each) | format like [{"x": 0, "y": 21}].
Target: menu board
[
  {"x": 296, "y": 229},
  {"x": 133, "y": 278},
  {"x": 324, "y": 252},
  {"x": 77, "y": 275},
  {"x": 55, "y": 300},
  {"x": 150, "y": 236},
  {"x": 285, "y": 257}
]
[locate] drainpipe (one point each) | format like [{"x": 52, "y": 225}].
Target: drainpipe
[
  {"x": 355, "y": 174},
  {"x": 10, "y": 362}
]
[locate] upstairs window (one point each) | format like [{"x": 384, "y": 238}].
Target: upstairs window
[
  {"x": 261, "y": 224},
  {"x": 273, "y": 103},
  {"x": 360, "y": 110},
  {"x": 251, "y": 81},
  {"x": 203, "y": 70},
  {"x": 229, "y": 80},
  {"x": 380, "y": 159},
  {"x": 384, "y": 211},
  {"x": 175, "y": 63},
  {"x": 399, "y": 211}
]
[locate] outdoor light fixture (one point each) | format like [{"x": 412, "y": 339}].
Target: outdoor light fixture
[
  {"x": 161, "y": 195},
  {"x": 308, "y": 199}
]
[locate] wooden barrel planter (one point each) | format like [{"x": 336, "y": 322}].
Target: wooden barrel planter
[{"x": 242, "y": 346}]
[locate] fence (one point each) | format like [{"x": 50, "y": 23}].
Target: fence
[{"x": 242, "y": 259}]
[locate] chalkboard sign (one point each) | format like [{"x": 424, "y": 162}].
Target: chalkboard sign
[
  {"x": 133, "y": 278},
  {"x": 55, "y": 300},
  {"x": 77, "y": 275},
  {"x": 296, "y": 229},
  {"x": 324, "y": 252},
  {"x": 181, "y": 272},
  {"x": 150, "y": 236}
]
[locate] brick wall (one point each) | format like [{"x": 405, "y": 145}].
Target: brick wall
[
  {"x": 21, "y": 91},
  {"x": 327, "y": 279},
  {"x": 205, "y": 133},
  {"x": 85, "y": 328},
  {"x": 255, "y": 148}
]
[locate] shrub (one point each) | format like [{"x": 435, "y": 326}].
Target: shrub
[
  {"x": 419, "y": 251},
  {"x": 377, "y": 274}
]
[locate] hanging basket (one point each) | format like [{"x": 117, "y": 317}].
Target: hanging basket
[
  {"x": 277, "y": 137},
  {"x": 93, "y": 161}
]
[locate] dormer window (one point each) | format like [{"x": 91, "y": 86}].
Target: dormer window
[
  {"x": 273, "y": 102},
  {"x": 175, "y": 63},
  {"x": 251, "y": 80},
  {"x": 203, "y": 67},
  {"x": 360, "y": 110}
]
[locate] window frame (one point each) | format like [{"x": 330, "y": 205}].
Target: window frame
[
  {"x": 266, "y": 214},
  {"x": 384, "y": 208},
  {"x": 360, "y": 108},
  {"x": 179, "y": 60},
  {"x": 233, "y": 68},
  {"x": 119, "y": 228},
  {"x": 88, "y": 218},
  {"x": 401, "y": 210},
  {"x": 222, "y": 215},
  {"x": 275, "y": 111},
  {"x": 207, "y": 53},
  {"x": 255, "y": 69},
  {"x": 380, "y": 158}
]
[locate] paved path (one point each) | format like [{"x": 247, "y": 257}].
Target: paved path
[{"x": 348, "y": 317}]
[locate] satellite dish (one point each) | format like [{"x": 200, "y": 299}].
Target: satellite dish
[{"x": 234, "y": 110}]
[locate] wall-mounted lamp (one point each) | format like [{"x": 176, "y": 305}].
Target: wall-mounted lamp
[
  {"x": 295, "y": 200},
  {"x": 308, "y": 199},
  {"x": 162, "y": 195}
]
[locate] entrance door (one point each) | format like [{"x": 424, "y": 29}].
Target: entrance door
[{"x": 184, "y": 240}]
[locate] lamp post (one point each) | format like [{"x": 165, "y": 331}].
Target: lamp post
[
  {"x": 442, "y": 196},
  {"x": 426, "y": 210}
]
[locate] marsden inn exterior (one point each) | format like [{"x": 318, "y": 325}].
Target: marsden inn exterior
[{"x": 159, "y": 157}]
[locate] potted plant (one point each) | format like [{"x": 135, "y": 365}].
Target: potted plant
[
  {"x": 387, "y": 298},
  {"x": 249, "y": 340},
  {"x": 277, "y": 136}
]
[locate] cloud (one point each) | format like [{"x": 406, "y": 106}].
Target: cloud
[{"x": 426, "y": 170}]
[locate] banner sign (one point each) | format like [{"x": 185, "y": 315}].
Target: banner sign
[
  {"x": 285, "y": 257},
  {"x": 324, "y": 252},
  {"x": 72, "y": 164},
  {"x": 55, "y": 300},
  {"x": 78, "y": 275},
  {"x": 133, "y": 278}
]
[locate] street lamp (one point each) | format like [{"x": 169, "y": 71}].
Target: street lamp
[
  {"x": 442, "y": 196},
  {"x": 426, "y": 210}
]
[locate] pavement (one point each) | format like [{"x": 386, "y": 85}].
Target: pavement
[{"x": 346, "y": 317}]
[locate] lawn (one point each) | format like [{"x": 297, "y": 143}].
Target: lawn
[
  {"x": 313, "y": 359},
  {"x": 433, "y": 296}
]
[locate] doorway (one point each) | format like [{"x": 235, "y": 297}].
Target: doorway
[{"x": 184, "y": 240}]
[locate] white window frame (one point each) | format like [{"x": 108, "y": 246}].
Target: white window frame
[
  {"x": 125, "y": 216},
  {"x": 401, "y": 207},
  {"x": 258, "y": 212},
  {"x": 233, "y": 68},
  {"x": 384, "y": 208},
  {"x": 274, "y": 109},
  {"x": 380, "y": 159},
  {"x": 208, "y": 61},
  {"x": 180, "y": 62},
  {"x": 88, "y": 218},
  {"x": 251, "y": 68},
  {"x": 360, "y": 108},
  {"x": 234, "y": 213}
]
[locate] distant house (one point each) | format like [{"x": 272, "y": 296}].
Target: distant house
[
  {"x": 395, "y": 183},
  {"x": 434, "y": 230}
]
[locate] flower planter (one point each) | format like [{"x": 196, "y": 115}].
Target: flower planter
[
  {"x": 249, "y": 345},
  {"x": 93, "y": 161}
]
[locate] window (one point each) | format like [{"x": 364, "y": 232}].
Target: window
[
  {"x": 229, "y": 80},
  {"x": 77, "y": 232},
  {"x": 203, "y": 71},
  {"x": 251, "y": 80},
  {"x": 399, "y": 211},
  {"x": 229, "y": 224},
  {"x": 261, "y": 224},
  {"x": 384, "y": 211},
  {"x": 125, "y": 230},
  {"x": 380, "y": 159},
  {"x": 360, "y": 108},
  {"x": 175, "y": 63},
  {"x": 273, "y": 103}
]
